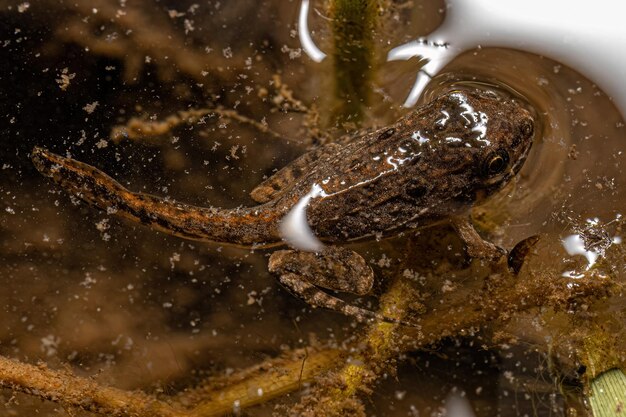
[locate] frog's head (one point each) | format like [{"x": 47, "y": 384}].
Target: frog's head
[
  {"x": 489, "y": 133},
  {"x": 510, "y": 132}
]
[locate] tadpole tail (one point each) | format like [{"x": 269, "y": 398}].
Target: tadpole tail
[{"x": 240, "y": 226}]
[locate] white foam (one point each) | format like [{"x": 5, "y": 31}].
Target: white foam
[
  {"x": 587, "y": 36},
  {"x": 574, "y": 245},
  {"x": 294, "y": 228},
  {"x": 306, "y": 40}
]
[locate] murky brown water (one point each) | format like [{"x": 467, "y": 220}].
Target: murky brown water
[{"x": 142, "y": 310}]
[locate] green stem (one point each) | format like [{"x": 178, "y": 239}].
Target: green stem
[
  {"x": 353, "y": 27},
  {"x": 272, "y": 380}
]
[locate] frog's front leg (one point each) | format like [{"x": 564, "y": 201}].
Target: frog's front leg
[
  {"x": 306, "y": 273},
  {"x": 476, "y": 246}
]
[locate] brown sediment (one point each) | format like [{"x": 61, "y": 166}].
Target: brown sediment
[{"x": 255, "y": 226}]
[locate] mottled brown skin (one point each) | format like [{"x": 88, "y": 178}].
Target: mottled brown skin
[{"x": 431, "y": 165}]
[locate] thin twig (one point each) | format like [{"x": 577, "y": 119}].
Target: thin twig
[{"x": 137, "y": 128}]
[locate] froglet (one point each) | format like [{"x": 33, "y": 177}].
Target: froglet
[{"x": 432, "y": 165}]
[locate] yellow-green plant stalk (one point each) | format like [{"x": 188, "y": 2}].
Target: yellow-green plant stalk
[
  {"x": 354, "y": 23},
  {"x": 608, "y": 394}
]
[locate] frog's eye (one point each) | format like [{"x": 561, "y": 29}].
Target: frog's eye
[
  {"x": 496, "y": 162},
  {"x": 527, "y": 128}
]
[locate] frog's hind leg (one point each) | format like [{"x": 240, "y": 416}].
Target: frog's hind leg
[
  {"x": 316, "y": 297},
  {"x": 305, "y": 274}
]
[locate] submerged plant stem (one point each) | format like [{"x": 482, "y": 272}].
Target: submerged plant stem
[
  {"x": 138, "y": 128},
  {"x": 256, "y": 385},
  {"x": 268, "y": 381},
  {"x": 353, "y": 25},
  {"x": 381, "y": 344},
  {"x": 336, "y": 394},
  {"x": 87, "y": 394}
]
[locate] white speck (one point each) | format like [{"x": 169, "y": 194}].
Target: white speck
[
  {"x": 102, "y": 143},
  {"x": 174, "y": 259},
  {"x": 103, "y": 225},
  {"x": 384, "y": 261},
  {"x": 89, "y": 108},
  {"x": 21, "y": 8},
  {"x": 50, "y": 344},
  {"x": 295, "y": 229},
  {"x": 65, "y": 78},
  {"x": 88, "y": 281},
  {"x": 293, "y": 53},
  {"x": 188, "y": 23}
]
